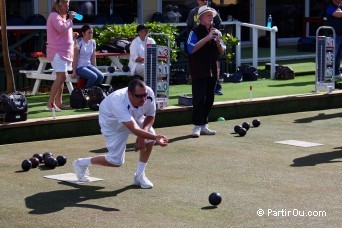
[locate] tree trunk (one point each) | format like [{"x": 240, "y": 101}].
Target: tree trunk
[{"x": 10, "y": 85}]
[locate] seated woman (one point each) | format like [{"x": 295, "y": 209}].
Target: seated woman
[{"x": 84, "y": 63}]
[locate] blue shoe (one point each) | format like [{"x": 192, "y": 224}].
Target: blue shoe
[{"x": 218, "y": 92}]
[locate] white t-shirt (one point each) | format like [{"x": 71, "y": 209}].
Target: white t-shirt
[
  {"x": 117, "y": 108},
  {"x": 85, "y": 52},
  {"x": 137, "y": 49}
]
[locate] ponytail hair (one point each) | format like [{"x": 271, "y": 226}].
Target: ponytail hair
[{"x": 84, "y": 28}]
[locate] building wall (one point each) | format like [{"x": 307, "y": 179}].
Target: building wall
[
  {"x": 150, "y": 7},
  {"x": 260, "y": 12},
  {"x": 43, "y": 8}
]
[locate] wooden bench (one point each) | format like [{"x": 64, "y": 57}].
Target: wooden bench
[
  {"x": 46, "y": 74},
  {"x": 108, "y": 75},
  {"x": 115, "y": 62},
  {"x": 34, "y": 74}
]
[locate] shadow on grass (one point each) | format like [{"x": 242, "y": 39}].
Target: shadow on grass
[
  {"x": 297, "y": 84},
  {"x": 316, "y": 159},
  {"x": 130, "y": 147},
  {"x": 99, "y": 151},
  {"x": 209, "y": 207},
  {"x": 180, "y": 138},
  {"x": 50, "y": 202},
  {"x": 320, "y": 116}
]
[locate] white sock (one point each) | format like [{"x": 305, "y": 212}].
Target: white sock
[
  {"x": 84, "y": 161},
  {"x": 141, "y": 168}
]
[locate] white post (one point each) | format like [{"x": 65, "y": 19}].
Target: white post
[
  {"x": 238, "y": 46},
  {"x": 273, "y": 51},
  {"x": 255, "y": 47}
]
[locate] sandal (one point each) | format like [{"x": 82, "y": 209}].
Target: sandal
[
  {"x": 49, "y": 108},
  {"x": 64, "y": 107}
]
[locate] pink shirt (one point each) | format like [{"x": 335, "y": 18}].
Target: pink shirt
[{"x": 59, "y": 37}]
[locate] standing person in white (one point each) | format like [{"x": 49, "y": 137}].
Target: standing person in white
[
  {"x": 137, "y": 51},
  {"x": 130, "y": 110}
]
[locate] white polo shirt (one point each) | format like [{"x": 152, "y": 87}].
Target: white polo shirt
[
  {"x": 117, "y": 108},
  {"x": 137, "y": 49}
]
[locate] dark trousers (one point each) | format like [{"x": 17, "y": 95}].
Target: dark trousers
[{"x": 203, "y": 94}]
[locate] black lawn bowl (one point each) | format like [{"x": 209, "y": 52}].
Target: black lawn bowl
[
  {"x": 256, "y": 123},
  {"x": 39, "y": 156},
  {"x": 61, "y": 160},
  {"x": 125, "y": 68},
  {"x": 26, "y": 165},
  {"x": 34, "y": 161},
  {"x": 46, "y": 155},
  {"x": 215, "y": 198},
  {"x": 242, "y": 131},
  {"x": 237, "y": 128},
  {"x": 51, "y": 163},
  {"x": 111, "y": 69},
  {"x": 246, "y": 125}
]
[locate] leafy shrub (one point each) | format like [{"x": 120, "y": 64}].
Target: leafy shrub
[{"x": 103, "y": 35}]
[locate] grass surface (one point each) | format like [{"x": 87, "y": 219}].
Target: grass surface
[
  {"x": 232, "y": 91},
  {"x": 250, "y": 173},
  {"x": 247, "y": 52},
  {"x": 264, "y": 87}
]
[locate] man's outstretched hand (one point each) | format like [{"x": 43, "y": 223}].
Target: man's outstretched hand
[{"x": 162, "y": 140}]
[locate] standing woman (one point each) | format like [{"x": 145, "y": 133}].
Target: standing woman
[
  {"x": 204, "y": 47},
  {"x": 84, "y": 64},
  {"x": 59, "y": 49}
]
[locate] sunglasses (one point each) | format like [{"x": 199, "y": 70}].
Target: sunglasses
[{"x": 140, "y": 95}]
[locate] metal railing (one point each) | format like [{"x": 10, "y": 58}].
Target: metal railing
[{"x": 255, "y": 31}]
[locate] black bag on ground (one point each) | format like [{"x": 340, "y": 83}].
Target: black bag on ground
[
  {"x": 78, "y": 98},
  {"x": 14, "y": 105},
  {"x": 178, "y": 77},
  {"x": 236, "y": 77},
  {"x": 306, "y": 44},
  {"x": 284, "y": 73},
  {"x": 96, "y": 94},
  {"x": 249, "y": 73},
  {"x": 106, "y": 88}
]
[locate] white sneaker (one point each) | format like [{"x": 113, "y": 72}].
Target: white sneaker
[
  {"x": 338, "y": 76},
  {"x": 82, "y": 172},
  {"x": 206, "y": 131},
  {"x": 142, "y": 181},
  {"x": 196, "y": 131}
]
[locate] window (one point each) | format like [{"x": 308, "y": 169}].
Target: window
[
  {"x": 84, "y": 7},
  {"x": 317, "y": 10},
  {"x": 23, "y": 8},
  {"x": 125, "y": 9},
  {"x": 287, "y": 15}
]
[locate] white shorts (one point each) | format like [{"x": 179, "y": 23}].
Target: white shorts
[
  {"x": 116, "y": 142},
  {"x": 60, "y": 65},
  {"x": 140, "y": 69}
]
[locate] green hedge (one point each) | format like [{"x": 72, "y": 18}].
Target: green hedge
[{"x": 103, "y": 35}]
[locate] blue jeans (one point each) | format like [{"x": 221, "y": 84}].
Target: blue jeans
[
  {"x": 338, "y": 53},
  {"x": 93, "y": 75}
]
